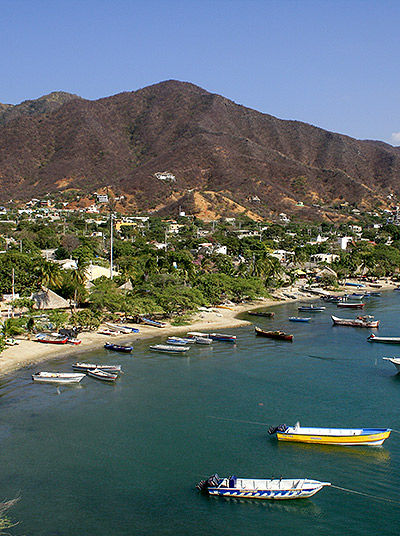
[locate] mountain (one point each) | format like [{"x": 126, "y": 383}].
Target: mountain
[{"x": 223, "y": 158}]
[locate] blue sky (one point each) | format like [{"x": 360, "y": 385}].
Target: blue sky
[{"x": 334, "y": 64}]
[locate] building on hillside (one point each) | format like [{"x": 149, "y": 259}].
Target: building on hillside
[
  {"x": 95, "y": 271},
  {"x": 283, "y": 255},
  {"x": 329, "y": 258},
  {"x": 344, "y": 241}
]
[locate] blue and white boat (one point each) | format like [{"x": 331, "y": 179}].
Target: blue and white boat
[
  {"x": 222, "y": 337},
  {"x": 299, "y": 318},
  {"x": 311, "y": 308},
  {"x": 255, "y": 488},
  {"x": 179, "y": 341}
]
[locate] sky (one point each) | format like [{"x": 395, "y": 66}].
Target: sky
[{"x": 334, "y": 64}]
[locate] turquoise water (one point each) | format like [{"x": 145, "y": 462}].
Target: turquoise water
[{"x": 124, "y": 460}]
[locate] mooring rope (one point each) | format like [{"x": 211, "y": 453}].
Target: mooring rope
[
  {"x": 236, "y": 420},
  {"x": 396, "y": 431},
  {"x": 385, "y": 499}
]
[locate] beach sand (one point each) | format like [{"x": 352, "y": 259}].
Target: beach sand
[{"x": 30, "y": 352}]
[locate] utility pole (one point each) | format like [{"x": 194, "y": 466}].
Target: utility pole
[
  {"x": 111, "y": 245},
  {"x": 13, "y": 292}
]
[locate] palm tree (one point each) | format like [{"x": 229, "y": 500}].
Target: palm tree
[{"x": 49, "y": 274}]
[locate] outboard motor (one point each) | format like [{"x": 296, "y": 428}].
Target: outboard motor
[
  {"x": 211, "y": 482},
  {"x": 280, "y": 428}
]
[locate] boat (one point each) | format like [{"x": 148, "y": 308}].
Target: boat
[
  {"x": 57, "y": 377},
  {"x": 51, "y": 339},
  {"x": 154, "y": 323},
  {"x": 257, "y": 488},
  {"x": 311, "y": 308},
  {"x": 387, "y": 340},
  {"x": 102, "y": 375},
  {"x": 375, "y": 294},
  {"x": 331, "y": 436},
  {"x": 299, "y": 318},
  {"x": 359, "y": 322},
  {"x": 203, "y": 340},
  {"x": 169, "y": 348},
  {"x": 180, "y": 341},
  {"x": 194, "y": 334},
  {"x": 73, "y": 340},
  {"x": 332, "y": 299},
  {"x": 84, "y": 367},
  {"x": 118, "y": 329},
  {"x": 118, "y": 347},
  {"x": 11, "y": 342},
  {"x": 394, "y": 360},
  {"x": 266, "y": 314},
  {"x": 108, "y": 332},
  {"x": 281, "y": 335},
  {"x": 358, "y": 285},
  {"x": 351, "y": 305},
  {"x": 222, "y": 337}
]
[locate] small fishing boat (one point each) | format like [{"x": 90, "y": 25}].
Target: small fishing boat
[
  {"x": 359, "y": 322},
  {"x": 103, "y": 375},
  {"x": 84, "y": 367},
  {"x": 203, "y": 340},
  {"x": 266, "y": 314},
  {"x": 358, "y": 285},
  {"x": 281, "y": 335},
  {"x": 394, "y": 360},
  {"x": 118, "y": 347},
  {"x": 109, "y": 332},
  {"x": 73, "y": 340},
  {"x": 118, "y": 329},
  {"x": 332, "y": 299},
  {"x": 351, "y": 305},
  {"x": 356, "y": 296},
  {"x": 11, "y": 342},
  {"x": 195, "y": 334},
  {"x": 331, "y": 436},
  {"x": 154, "y": 323},
  {"x": 311, "y": 308},
  {"x": 222, "y": 337},
  {"x": 51, "y": 339},
  {"x": 375, "y": 294},
  {"x": 57, "y": 377},
  {"x": 169, "y": 348},
  {"x": 299, "y": 318},
  {"x": 180, "y": 341},
  {"x": 257, "y": 488},
  {"x": 387, "y": 340}
]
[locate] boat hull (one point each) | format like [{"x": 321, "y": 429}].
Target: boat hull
[
  {"x": 281, "y": 336},
  {"x": 372, "y": 439},
  {"x": 395, "y": 361},
  {"x": 356, "y": 323}
]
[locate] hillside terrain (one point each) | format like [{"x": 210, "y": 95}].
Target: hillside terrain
[{"x": 222, "y": 158}]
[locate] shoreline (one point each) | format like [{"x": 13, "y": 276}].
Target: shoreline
[{"x": 30, "y": 352}]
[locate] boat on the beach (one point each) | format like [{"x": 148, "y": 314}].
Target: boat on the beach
[
  {"x": 358, "y": 285},
  {"x": 266, "y": 314},
  {"x": 351, "y": 305},
  {"x": 121, "y": 329},
  {"x": 311, "y": 308},
  {"x": 57, "y": 377},
  {"x": 387, "y": 340},
  {"x": 118, "y": 347},
  {"x": 257, "y": 488},
  {"x": 84, "y": 367},
  {"x": 180, "y": 341},
  {"x": 102, "y": 375},
  {"x": 51, "y": 339},
  {"x": 154, "y": 323},
  {"x": 277, "y": 334},
  {"x": 222, "y": 337},
  {"x": 109, "y": 332},
  {"x": 331, "y": 436},
  {"x": 169, "y": 348},
  {"x": 299, "y": 318},
  {"x": 73, "y": 340},
  {"x": 11, "y": 342},
  {"x": 394, "y": 360},
  {"x": 366, "y": 321}
]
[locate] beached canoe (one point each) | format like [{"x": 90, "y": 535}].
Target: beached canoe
[
  {"x": 257, "y": 488},
  {"x": 51, "y": 339},
  {"x": 386, "y": 340},
  {"x": 331, "y": 436},
  {"x": 280, "y": 335},
  {"x": 57, "y": 377},
  {"x": 266, "y": 314},
  {"x": 360, "y": 322},
  {"x": 394, "y": 360}
]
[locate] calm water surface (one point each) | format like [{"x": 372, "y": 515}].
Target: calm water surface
[{"x": 123, "y": 460}]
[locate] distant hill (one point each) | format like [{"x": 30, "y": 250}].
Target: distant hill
[{"x": 225, "y": 158}]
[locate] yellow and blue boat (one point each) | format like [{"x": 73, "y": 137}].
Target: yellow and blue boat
[{"x": 331, "y": 436}]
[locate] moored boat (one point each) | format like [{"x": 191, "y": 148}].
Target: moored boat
[
  {"x": 299, "y": 318},
  {"x": 331, "y": 436},
  {"x": 84, "y": 367},
  {"x": 180, "y": 341},
  {"x": 257, "y": 488},
  {"x": 102, "y": 375},
  {"x": 73, "y": 340},
  {"x": 359, "y": 322},
  {"x": 386, "y": 340},
  {"x": 169, "y": 348},
  {"x": 352, "y": 305},
  {"x": 57, "y": 377},
  {"x": 118, "y": 347},
  {"x": 277, "y": 334},
  {"x": 311, "y": 308},
  {"x": 222, "y": 337},
  {"x": 266, "y": 314},
  {"x": 394, "y": 360},
  {"x": 203, "y": 340}
]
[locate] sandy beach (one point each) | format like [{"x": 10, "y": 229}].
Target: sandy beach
[{"x": 30, "y": 352}]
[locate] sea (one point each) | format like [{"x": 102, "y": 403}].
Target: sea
[{"x": 98, "y": 459}]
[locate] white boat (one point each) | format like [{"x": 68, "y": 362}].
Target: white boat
[
  {"x": 118, "y": 329},
  {"x": 84, "y": 367},
  {"x": 169, "y": 348},
  {"x": 179, "y": 341},
  {"x": 57, "y": 377},
  {"x": 257, "y": 488},
  {"x": 203, "y": 340},
  {"x": 11, "y": 342},
  {"x": 366, "y": 321},
  {"x": 387, "y": 340},
  {"x": 195, "y": 334},
  {"x": 108, "y": 332},
  {"x": 103, "y": 375},
  {"x": 394, "y": 360}
]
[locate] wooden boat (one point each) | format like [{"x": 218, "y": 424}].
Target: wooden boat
[
  {"x": 331, "y": 436},
  {"x": 257, "y": 488},
  {"x": 356, "y": 296},
  {"x": 351, "y": 305},
  {"x": 281, "y": 335},
  {"x": 154, "y": 323},
  {"x": 195, "y": 334},
  {"x": 266, "y": 314},
  {"x": 311, "y": 308},
  {"x": 118, "y": 347},
  {"x": 332, "y": 299},
  {"x": 180, "y": 341},
  {"x": 73, "y": 340},
  {"x": 109, "y": 332},
  {"x": 102, "y": 375},
  {"x": 57, "y": 377},
  {"x": 84, "y": 367},
  {"x": 359, "y": 322},
  {"x": 169, "y": 348},
  {"x": 203, "y": 340},
  {"x": 387, "y": 340},
  {"x": 11, "y": 342},
  {"x": 394, "y": 360},
  {"x": 51, "y": 339},
  {"x": 222, "y": 337},
  {"x": 118, "y": 329},
  {"x": 299, "y": 318}
]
